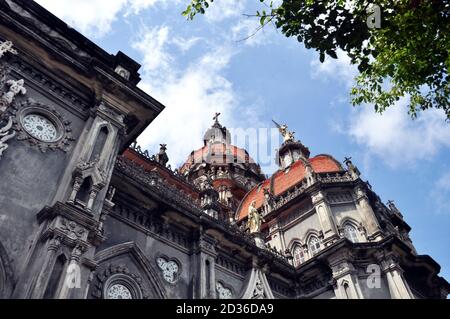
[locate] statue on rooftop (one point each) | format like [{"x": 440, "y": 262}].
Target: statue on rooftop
[
  {"x": 288, "y": 136},
  {"x": 254, "y": 219}
]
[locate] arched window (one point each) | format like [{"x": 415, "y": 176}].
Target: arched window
[
  {"x": 314, "y": 245},
  {"x": 350, "y": 233},
  {"x": 299, "y": 256}
]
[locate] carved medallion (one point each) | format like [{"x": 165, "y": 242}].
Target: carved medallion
[
  {"x": 169, "y": 268},
  {"x": 41, "y": 125}
]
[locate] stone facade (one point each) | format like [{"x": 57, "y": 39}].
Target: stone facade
[{"x": 86, "y": 213}]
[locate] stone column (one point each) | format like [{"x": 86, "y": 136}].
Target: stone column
[
  {"x": 326, "y": 219},
  {"x": 368, "y": 215},
  {"x": 346, "y": 285},
  {"x": 203, "y": 265},
  {"x": 398, "y": 287},
  {"x": 38, "y": 289}
]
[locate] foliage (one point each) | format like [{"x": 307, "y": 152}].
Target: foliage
[{"x": 408, "y": 55}]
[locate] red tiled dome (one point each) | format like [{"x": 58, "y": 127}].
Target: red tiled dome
[
  {"x": 282, "y": 180},
  {"x": 217, "y": 153}
]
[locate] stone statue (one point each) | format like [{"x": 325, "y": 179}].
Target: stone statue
[
  {"x": 5, "y": 135},
  {"x": 15, "y": 88},
  {"x": 6, "y": 46},
  {"x": 288, "y": 136},
  {"x": 162, "y": 157},
  {"x": 254, "y": 219}
]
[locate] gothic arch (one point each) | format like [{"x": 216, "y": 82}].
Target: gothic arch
[
  {"x": 349, "y": 220},
  {"x": 294, "y": 241},
  {"x": 138, "y": 257},
  {"x": 6, "y": 274},
  {"x": 310, "y": 233}
]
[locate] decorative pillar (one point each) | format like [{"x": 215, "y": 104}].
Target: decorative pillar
[
  {"x": 76, "y": 187},
  {"x": 330, "y": 233},
  {"x": 398, "y": 287},
  {"x": 44, "y": 275},
  {"x": 345, "y": 279},
  {"x": 203, "y": 264},
  {"x": 374, "y": 232},
  {"x": 72, "y": 278}
]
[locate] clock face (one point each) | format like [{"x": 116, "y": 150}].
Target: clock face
[
  {"x": 169, "y": 269},
  {"x": 118, "y": 291},
  {"x": 40, "y": 127}
]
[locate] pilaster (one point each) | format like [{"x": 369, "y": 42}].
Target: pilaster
[{"x": 327, "y": 222}]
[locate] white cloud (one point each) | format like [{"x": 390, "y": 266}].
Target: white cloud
[
  {"x": 395, "y": 138},
  {"x": 246, "y": 31},
  {"x": 95, "y": 17},
  {"x": 331, "y": 69},
  {"x": 185, "y": 44},
  {"x": 192, "y": 95},
  {"x": 440, "y": 194},
  {"x": 152, "y": 44},
  {"x": 225, "y": 9}
]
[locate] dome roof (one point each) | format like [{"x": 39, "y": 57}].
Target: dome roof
[
  {"x": 217, "y": 153},
  {"x": 282, "y": 180}
]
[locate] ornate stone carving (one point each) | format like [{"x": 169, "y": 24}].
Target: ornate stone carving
[
  {"x": 72, "y": 229},
  {"x": 15, "y": 88},
  {"x": 258, "y": 287},
  {"x": 317, "y": 197},
  {"x": 49, "y": 86},
  {"x": 118, "y": 291},
  {"x": 117, "y": 275},
  {"x": 352, "y": 169},
  {"x": 62, "y": 125},
  {"x": 107, "y": 110},
  {"x": 122, "y": 72},
  {"x": 5, "y": 135},
  {"x": 6, "y": 46},
  {"x": 258, "y": 292},
  {"x": 223, "y": 292},
  {"x": 170, "y": 269},
  {"x": 288, "y": 136}
]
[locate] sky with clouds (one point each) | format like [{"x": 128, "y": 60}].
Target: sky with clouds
[{"x": 196, "y": 68}]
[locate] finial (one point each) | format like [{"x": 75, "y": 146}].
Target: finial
[{"x": 216, "y": 118}]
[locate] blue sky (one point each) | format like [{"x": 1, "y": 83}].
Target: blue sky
[{"x": 200, "y": 67}]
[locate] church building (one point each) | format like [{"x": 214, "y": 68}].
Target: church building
[{"x": 87, "y": 213}]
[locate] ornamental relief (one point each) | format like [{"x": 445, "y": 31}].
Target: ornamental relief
[
  {"x": 223, "y": 292},
  {"x": 118, "y": 282},
  {"x": 170, "y": 269},
  {"x": 40, "y": 125}
]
